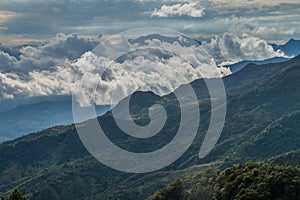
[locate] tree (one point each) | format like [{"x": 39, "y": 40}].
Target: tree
[
  {"x": 258, "y": 181},
  {"x": 15, "y": 195}
]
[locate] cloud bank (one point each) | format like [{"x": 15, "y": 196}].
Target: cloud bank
[{"x": 68, "y": 65}]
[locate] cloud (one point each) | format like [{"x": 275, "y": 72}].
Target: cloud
[
  {"x": 44, "y": 56},
  {"x": 66, "y": 65},
  {"x": 188, "y": 26},
  {"x": 6, "y": 61},
  {"x": 33, "y": 72},
  {"x": 244, "y": 3},
  {"x": 61, "y": 72},
  {"x": 243, "y": 26},
  {"x": 6, "y": 16},
  {"x": 111, "y": 17},
  {"x": 231, "y": 48},
  {"x": 192, "y": 9}
]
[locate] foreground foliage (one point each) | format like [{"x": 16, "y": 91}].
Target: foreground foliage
[
  {"x": 251, "y": 181},
  {"x": 258, "y": 181},
  {"x": 15, "y": 195}
]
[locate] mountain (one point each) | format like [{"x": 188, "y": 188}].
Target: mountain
[
  {"x": 240, "y": 65},
  {"x": 29, "y": 118},
  {"x": 291, "y": 48},
  {"x": 9, "y": 104},
  {"x": 182, "y": 40},
  {"x": 261, "y": 123},
  {"x": 255, "y": 74}
]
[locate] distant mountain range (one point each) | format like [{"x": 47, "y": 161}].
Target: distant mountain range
[
  {"x": 262, "y": 124},
  {"x": 240, "y": 65},
  {"x": 28, "y": 118},
  {"x": 21, "y": 116},
  {"x": 291, "y": 48}
]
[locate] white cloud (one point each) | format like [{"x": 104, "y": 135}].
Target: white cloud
[
  {"x": 192, "y": 9},
  {"x": 231, "y": 48},
  {"x": 35, "y": 72},
  {"x": 6, "y": 61},
  {"x": 58, "y": 50},
  {"x": 57, "y": 67}
]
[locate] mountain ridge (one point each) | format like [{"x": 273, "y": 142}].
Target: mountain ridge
[{"x": 56, "y": 163}]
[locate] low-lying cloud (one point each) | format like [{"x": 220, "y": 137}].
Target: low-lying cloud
[
  {"x": 236, "y": 48},
  {"x": 68, "y": 65}
]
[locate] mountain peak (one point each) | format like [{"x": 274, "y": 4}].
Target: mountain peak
[
  {"x": 292, "y": 40},
  {"x": 291, "y": 48}
]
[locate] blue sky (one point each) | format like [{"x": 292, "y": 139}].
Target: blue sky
[{"x": 22, "y": 21}]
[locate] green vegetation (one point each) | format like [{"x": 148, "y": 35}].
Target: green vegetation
[
  {"x": 194, "y": 187},
  {"x": 289, "y": 158},
  {"x": 258, "y": 181},
  {"x": 15, "y": 195},
  {"x": 251, "y": 181},
  {"x": 261, "y": 125}
]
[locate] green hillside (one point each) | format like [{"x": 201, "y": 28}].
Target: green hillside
[
  {"x": 252, "y": 181},
  {"x": 261, "y": 123}
]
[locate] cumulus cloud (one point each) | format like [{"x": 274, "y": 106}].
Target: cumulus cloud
[
  {"x": 26, "y": 74},
  {"x": 66, "y": 65},
  {"x": 192, "y": 9},
  {"x": 122, "y": 79},
  {"x": 6, "y": 61},
  {"x": 44, "y": 56},
  {"x": 235, "y": 48}
]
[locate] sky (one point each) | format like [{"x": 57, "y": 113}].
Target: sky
[
  {"x": 46, "y": 46},
  {"x": 34, "y": 20}
]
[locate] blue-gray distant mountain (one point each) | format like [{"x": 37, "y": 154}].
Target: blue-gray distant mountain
[
  {"x": 29, "y": 118},
  {"x": 8, "y": 104},
  {"x": 291, "y": 48},
  {"x": 240, "y": 65}
]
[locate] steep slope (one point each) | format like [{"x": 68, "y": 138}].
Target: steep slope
[
  {"x": 54, "y": 164},
  {"x": 249, "y": 181},
  {"x": 280, "y": 136},
  {"x": 255, "y": 74},
  {"x": 251, "y": 113},
  {"x": 57, "y": 166}
]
